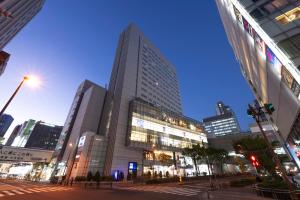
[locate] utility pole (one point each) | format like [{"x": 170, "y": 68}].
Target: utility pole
[{"x": 257, "y": 112}]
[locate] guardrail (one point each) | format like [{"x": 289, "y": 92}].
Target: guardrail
[{"x": 276, "y": 193}]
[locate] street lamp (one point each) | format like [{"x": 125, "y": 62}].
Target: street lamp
[
  {"x": 32, "y": 81},
  {"x": 25, "y": 78}
]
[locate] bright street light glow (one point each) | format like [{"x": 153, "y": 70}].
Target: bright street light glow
[{"x": 32, "y": 81}]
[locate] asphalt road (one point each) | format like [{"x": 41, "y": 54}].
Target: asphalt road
[
  {"x": 21, "y": 190},
  {"x": 91, "y": 194}
]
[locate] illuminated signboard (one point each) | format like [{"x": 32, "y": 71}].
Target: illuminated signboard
[
  {"x": 81, "y": 141},
  {"x": 132, "y": 166}
]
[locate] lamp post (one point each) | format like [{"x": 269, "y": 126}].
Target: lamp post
[{"x": 25, "y": 78}]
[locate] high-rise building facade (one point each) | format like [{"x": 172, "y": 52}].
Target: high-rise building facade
[
  {"x": 221, "y": 108},
  {"x": 5, "y": 122},
  {"x": 141, "y": 120},
  {"x": 224, "y": 123},
  {"x": 13, "y": 135},
  {"x": 4, "y": 57},
  {"x": 84, "y": 116},
  {"x": 43, "y": 136},
  {"x": 265, "y": 38},
  {"x": 140, "y": 71},
  {"x": 35, "y": 134},
  {"x": 24, "y": 133},
  {"x": 14, "y": 15}
]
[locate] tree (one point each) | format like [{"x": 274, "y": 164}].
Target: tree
[
  {"x": 193, "y": 153},
  {"x": 218, "y": 156},
  {"x": 256, "y": 147},
  {"x": 89, "y": 176},
  {"x": 97, "y": 176}
]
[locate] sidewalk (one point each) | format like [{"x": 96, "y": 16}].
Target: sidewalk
[{"x": 233, "y": 193}]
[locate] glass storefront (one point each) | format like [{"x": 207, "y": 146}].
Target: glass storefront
[
  {"x": 152, "y": 127},
  {"x": 161, "y": 135}
]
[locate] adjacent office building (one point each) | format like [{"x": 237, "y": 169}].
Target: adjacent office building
[
  {"x": 14, "y": 15},
  {"x": 224, "y": 123},
  {"x": 4, "y": 57},
  {"x": 265, "y": 38},
  {"x": 36, "y": 134},
  {"x": 24, "y": 133},
  {"x": 5, "y": 122},
  {"x": 139, "y": 122},
  {"x": 13, "y": 135},
  {"x": 43, "y": 136},
  {"x": 84, "y": 116}
]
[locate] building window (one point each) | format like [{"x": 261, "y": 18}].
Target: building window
[
  {"x": 291, "y": 46},
  {"x": 289, "y": 16}
]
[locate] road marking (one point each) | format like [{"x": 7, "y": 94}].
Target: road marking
[
  {"x": 26, "y": 191},
  {"x": 17, "y": 191},
  {"x": 168, "y": 190},
  {"x": 8, "y": 193},
  {"x": 2, "y": 195},
  {"x": 33, "y": 190}
]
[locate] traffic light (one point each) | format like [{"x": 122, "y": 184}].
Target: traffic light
[
  {"x": 250, "y": 112},
  {"x": 269, "y": 108},
  {"x": 254, "y": 161}
]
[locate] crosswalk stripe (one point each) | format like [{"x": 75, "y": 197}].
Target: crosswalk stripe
[
  {"x": 187, "y": 190},
  {"x": 33, "y": 190},
  {"x": 8, "y": 193},
  {"x": 26, "y": 191},
  {"x": 41, "y": 189},
  {"x": 17, "y": 191},
  {"x": 183, "y": 191},
  {"x": 195, "y": 186},
  {"x": 169, "y": 190},
  {"x": 20, "y": 191}
]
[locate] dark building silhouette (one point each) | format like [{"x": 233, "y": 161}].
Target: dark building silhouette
[
  {"x": 5, "y": 122},
  {"x": 13, "y": 135},
  {"x": 4, "y": 57},
  {"x": 44, "y": 136}
]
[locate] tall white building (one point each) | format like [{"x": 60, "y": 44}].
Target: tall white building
[
  {"x": 265, "y": 38},
  {"x": 140, "y": 71},
  {"x": 14, "y": 15},
  {"x": 141, "y": 120}
]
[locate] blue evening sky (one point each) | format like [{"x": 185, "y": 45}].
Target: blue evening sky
[{"x": 73, "y": 40}]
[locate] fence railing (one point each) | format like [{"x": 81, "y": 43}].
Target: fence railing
[{"x": 276, "y": 193}]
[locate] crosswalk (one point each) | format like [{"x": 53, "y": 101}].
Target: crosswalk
[
  {"x": 187, "y": 190},
  {"x": 22, "y": 191},
  {"x": 194, "y": 190}
]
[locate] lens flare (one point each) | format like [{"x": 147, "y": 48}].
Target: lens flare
[{"x": 32, "y": 81}]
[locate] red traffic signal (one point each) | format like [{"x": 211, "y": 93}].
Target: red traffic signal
[{"x": 254, "y": 161}]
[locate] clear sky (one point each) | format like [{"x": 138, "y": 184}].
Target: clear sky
[{"x": 73, "y": 40}]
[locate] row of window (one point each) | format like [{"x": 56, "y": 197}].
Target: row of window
[
  {"x": 270, "y": 7},
  {"x": 292, "y": 45},
  {"x": 162, "y": 83}
]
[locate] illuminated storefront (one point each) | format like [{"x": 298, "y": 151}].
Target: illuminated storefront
[
  {"x": 18, "y": 162},
  {"x": 161, "y": 135}
]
